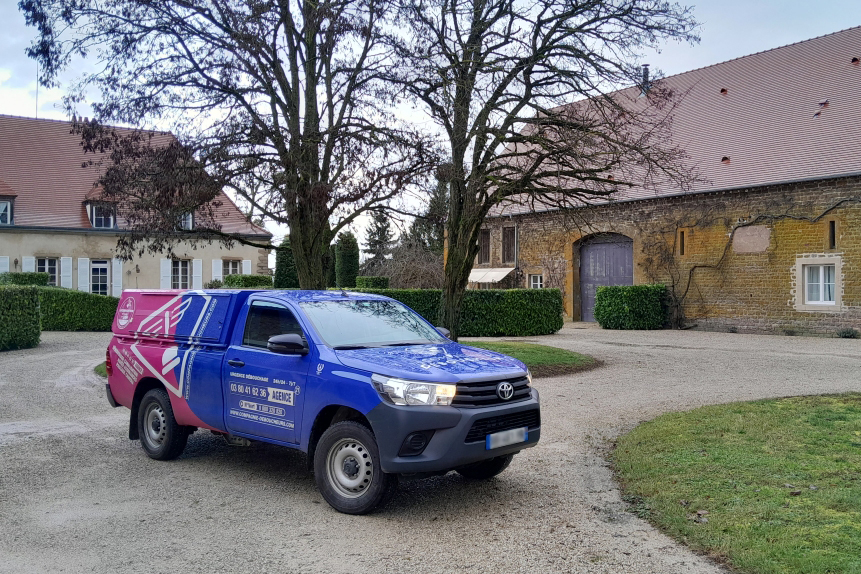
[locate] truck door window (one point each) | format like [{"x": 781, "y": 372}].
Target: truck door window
[{"x": 266, "y": 320}]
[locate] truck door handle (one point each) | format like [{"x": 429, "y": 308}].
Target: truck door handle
[{"x": 236, "y": 363}]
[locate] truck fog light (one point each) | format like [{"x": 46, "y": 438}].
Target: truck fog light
[{"x": 415, "y": 443}]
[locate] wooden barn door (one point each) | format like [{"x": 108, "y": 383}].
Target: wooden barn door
[{"x": 606, "y": 259}]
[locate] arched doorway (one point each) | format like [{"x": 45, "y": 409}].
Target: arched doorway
[{"x": 605, "y": 259}]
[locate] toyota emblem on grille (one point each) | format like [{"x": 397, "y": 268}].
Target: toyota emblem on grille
[{"x": 505, "y": 390}]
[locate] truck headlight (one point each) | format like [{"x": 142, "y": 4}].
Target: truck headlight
[
  {"x": 529, "y": 377},
  {"x": 401, "y": 392}
]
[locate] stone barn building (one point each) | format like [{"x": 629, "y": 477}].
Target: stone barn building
[{"x": 770, "y": 241}]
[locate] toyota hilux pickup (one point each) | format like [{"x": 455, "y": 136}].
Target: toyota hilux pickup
[{"x": 364, "y": 385}]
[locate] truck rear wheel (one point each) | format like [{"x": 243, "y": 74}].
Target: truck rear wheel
[
  {"x": 486, "y": 468},
  {"x": 347, "y": 469},
  {"x": 161, "y": 437}
]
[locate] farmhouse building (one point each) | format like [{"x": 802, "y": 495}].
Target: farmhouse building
[
  {"x": 51, "y": 220},
  {"x": 770, "y": 240}
]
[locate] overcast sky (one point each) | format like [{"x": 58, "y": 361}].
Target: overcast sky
[{"x": 730, "y": 28}]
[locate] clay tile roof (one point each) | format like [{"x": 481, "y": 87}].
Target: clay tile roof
[
  {"x": 5, "y": 190},
  {"x": 788, "y": 114},
  {"x": 95, "y": 193},
  {"x": 43, "y": 162}
]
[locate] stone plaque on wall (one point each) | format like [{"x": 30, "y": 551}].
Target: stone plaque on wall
[{"x": 751, "y": 239}]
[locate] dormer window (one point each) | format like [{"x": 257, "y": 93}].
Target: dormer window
[
  {"x": 102, "y": 216},
  {"x": 186, "y": 222},
  {"x": 5, "y": 212}
]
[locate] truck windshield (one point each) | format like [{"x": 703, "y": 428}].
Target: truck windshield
[{"x": 359, "y": 324}]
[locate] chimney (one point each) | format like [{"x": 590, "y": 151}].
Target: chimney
[{"x": 644, "y": 87}]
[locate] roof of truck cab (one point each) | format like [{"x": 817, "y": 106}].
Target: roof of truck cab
[{"x": 300, "y": 296}]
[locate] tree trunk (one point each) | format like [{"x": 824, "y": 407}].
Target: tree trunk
[
  {"x": 464, "y": 224},
  {"x": 310, "y": 252}
]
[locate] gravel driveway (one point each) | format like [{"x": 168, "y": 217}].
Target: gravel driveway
[{"x": 76, "y": 495}]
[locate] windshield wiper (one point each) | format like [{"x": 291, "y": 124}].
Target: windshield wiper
[
  {"x": 405, "y": 344},
  {"x": 350, "y": 347}
]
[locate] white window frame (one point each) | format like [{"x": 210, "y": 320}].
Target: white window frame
[
  {"x": 802, "y": 264},
  {"x": 180, "y": 274},
  {"x": 536, "y": 281},
  {"x": 186, "y": 222},
  {"x": 44, "y": 264},
  {"x": 97, "y": 217},
  {"x": 95, "y": 286},
  {"x": 819, "y": 283},
  {"x": 231, "y": 267},
  {"x": 7, "y": 212}
]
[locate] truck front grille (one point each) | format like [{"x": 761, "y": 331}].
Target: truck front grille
[
  {"x": 483, "y": 427},
  {"x": 483, "y": 394}
]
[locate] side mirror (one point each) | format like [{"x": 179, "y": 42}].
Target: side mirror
[
  {"x": 444, "y": 332},
  {"x": 290, "y": 344}
]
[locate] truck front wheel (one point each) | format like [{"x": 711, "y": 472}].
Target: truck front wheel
[
  {"x": 347, "y": 469},
  {"x": 161, "y": 437},
  {"x": 486, "y": 468}
]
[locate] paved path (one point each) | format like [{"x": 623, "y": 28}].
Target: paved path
[{"x": 76, "y": 495}]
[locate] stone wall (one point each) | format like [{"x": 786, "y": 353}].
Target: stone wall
[{"x": 744, "y": 251}]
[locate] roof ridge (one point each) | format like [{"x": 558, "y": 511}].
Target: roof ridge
[{"x": 760, "y": 52}]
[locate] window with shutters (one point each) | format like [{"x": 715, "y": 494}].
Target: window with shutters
[
  {"x": 484, "y": 246},
  {"x": 231, "y": 267},
  {"x": 509, "y": 244},
  {"x": 99, "y": 282},
  {"x": 47, "y": 265},
  {"x": 180, "y": 272}
]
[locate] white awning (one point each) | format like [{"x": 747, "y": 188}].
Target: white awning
[{"x": 489, "y": 275}]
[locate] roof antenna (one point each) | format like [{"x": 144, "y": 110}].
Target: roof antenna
[{"x": 37, "y": 89}]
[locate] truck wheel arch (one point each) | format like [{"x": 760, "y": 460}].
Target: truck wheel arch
[
  {"x": 328, "y": 416},
  {"x": 143, "y": 386}
]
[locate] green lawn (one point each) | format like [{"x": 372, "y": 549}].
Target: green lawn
[
  {"x": 541, "y": 359},
  {"x": 777, "y": 483},
  {"x": 100, "y": 370}
]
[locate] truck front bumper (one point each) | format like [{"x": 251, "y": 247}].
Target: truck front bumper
[{"x": 457, "y": 440}]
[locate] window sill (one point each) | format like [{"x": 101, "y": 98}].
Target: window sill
[{"x": 819, "y": 308}]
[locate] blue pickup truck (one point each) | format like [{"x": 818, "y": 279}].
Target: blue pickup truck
[{"x": 361, "y": 383}]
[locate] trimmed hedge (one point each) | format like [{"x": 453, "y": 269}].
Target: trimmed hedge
[
  {"x": 489, "y": 312},
  {"x": 631, "y": 307},
  {"x": 68, "y": 310},
  {"x": 372, "y": 282},
  {"x": 511, "y": 312},
  {"x": 28, "y": 278},
  {"x": 19, "y": 317},
  {"x": 248, "y": 282}
]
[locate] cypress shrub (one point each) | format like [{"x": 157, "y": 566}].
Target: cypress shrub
[
  {"x": 631, "y": 307},
  {"x": 28, "y": 278},
  {"x": 285, "y": 267},
  {"x": 68, "y": 310},
  {"x": 371, "y": 282},
  {"x": 19, "y": 317},
  {"x": 346, "y": 260},
  {"x": 248, "y": 282}
]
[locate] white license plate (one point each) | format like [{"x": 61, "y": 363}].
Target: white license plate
[{"x": 506, "y": 437}]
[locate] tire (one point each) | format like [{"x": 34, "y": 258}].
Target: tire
[
  {"x": 486, "y": 468},
  {"x": 160, "y": 435},
  {"x": 347, "y": 469}
]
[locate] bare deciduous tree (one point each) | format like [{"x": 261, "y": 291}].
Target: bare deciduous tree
[
  {"x": 282, "y": 101},
  {"x": 525, "y": 94}
]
